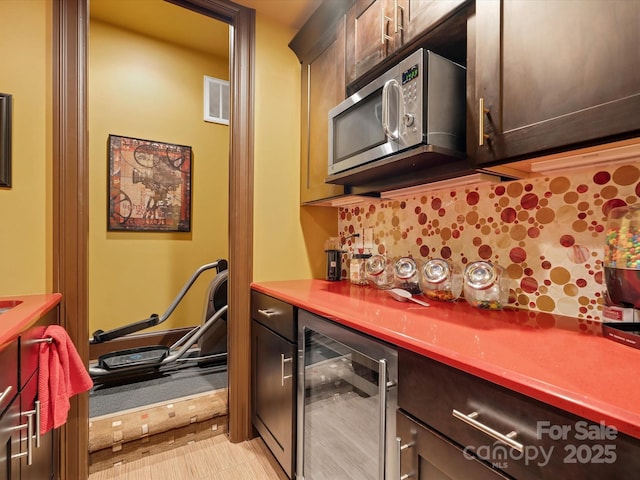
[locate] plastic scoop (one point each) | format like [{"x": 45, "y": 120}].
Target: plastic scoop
[{"x": 402, "y": 296}]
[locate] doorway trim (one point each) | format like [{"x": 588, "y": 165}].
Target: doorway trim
[{"x": 71, "y": 212}]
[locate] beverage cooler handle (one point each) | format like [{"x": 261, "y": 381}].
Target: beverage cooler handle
[
  {"x": 390, "y": 84},
  {"x": 382, "y": 386}
]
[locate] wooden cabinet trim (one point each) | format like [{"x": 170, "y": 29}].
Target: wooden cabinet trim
[{"x": 70, "y": 211}]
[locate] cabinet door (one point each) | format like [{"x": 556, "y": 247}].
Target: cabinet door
[
  {"x": 370, "y": 35},
  {"x": 10, "y": 442},
  {"x": 553, "y": 75},
  {"x": 415, "y": 17},
  {"x": 427, "y": 455},
  {"x": 41, "y": 467},
  {"x": 323, "y": 87},
  {"x": 274, "y": 362}
]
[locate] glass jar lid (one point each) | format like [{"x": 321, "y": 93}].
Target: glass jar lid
[
  {"x": 480, "y": 275},
  {"x": 375, "y": 265},
  {"x": 405, "y": 267},
  {"x": 436, "y": 270}
]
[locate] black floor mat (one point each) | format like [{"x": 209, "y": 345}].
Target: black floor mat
[{"x": 151, "y": 387}]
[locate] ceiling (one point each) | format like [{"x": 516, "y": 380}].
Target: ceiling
[{"x": 169, "y": 22}]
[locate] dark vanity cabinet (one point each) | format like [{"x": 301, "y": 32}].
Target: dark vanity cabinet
[
  {"x": 24, "y": 453},
  {"x": 554, "y": 75},
  {"x": 274, "y": 360},
  {"x": 462, "y": 426}
]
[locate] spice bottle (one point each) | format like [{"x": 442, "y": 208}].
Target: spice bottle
[
  {"x": 485, "y": 285},
  {"x": 441, "y": 280}
]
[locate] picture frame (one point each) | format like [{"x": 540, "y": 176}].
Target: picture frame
[
  {"x": 149, "y": 186},
  {"x": 6, "y": 102}
]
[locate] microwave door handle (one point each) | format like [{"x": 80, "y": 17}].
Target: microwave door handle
[{"x": 386, "y": 95}]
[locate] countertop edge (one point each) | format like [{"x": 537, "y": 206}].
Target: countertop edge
[
  {"x": 33, "y": 307},
  {"x": 555, "y": 395}
]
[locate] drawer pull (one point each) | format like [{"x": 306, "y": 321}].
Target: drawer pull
[
  {"x": 267, "y": 312},
  {"x": 284, "y": 360},
  {"x": 506, "y": 439},
  {"x": 4, "y": 394},
  {"x": 42, "y": 340},
  {"x": 30, "y": 435},
  {"x": 402, "y": 448}
]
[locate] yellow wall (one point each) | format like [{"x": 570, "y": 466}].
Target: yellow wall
[
  {"x": 144, "y": 88},
  {"x": 288, "y": 240},
  {"x": 25, "y": 233}
]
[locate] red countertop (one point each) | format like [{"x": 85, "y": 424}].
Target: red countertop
[
  {"x": 26, "y": 310},
  {"x": 561, "y": 361}
]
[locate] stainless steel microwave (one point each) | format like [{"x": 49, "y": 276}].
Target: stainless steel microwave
[{"x": 416, "y": 108}]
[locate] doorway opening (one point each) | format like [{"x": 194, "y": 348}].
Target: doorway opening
[{"x": 71, "y": 197}]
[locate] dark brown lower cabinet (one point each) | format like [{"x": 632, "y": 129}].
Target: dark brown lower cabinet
[
  {"x": 38, "y": 465},
  {"x": 274, "y": 351},
  {"x": 427, "y": 455},
  {"x": 24, "y": 453},
  {"x": 459, "y": 420}
]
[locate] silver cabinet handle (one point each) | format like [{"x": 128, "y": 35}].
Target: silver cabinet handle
[
  {"x": 267, "y": 312},
  {"x": 42, "y": 340},
  {"x": 37, "y": 412},
  {"x": 4, "y": 394},
  {"x": 284, "y": 360},
  {"x": 29, "y": 426},
  {"x": 383, "y": 23},
  {"x": 399, "y": 24},
  {"x": 382, "y": 388},
  {"x": 402, "y": 448},
  {"x": 481, "y": 113},
  {"x": 506, "y": 439}
]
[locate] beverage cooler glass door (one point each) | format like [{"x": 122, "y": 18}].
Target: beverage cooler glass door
[{"x": 347, "y": 399}]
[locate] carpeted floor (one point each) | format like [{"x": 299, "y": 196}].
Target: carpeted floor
[
  {"x": 155, "y": 412},
  {"x": 154, "y": 387}
]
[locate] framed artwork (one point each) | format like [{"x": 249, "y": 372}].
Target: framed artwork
[
  {"x": 5, "y": 140},
  {"x": 149, "y": 186}
]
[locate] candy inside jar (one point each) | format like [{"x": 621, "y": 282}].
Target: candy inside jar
[
  {"x": 441, "y": 280},
  {"x": 486, "y": 286},
  {"x": 406, "y": 275},
  {"x": 622, "y": 256}
]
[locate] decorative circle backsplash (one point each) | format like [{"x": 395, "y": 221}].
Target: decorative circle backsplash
[{"x": 547, "y": 232}]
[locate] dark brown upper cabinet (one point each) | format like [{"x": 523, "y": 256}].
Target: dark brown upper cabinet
[
  {"x": 554, "y": 76},
  {"x": 418, "y": 16},
  {"x": 320, "y": 47},
  {"x": 370, "y": 36},
  {"x": 377, "y": 29}
]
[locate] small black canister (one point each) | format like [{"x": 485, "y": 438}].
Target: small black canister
[
  {"x": 334, "y": 265},
  {"x": 332, "y": 248}
]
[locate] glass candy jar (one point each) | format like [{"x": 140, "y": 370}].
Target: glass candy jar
[
  {"x": 441, "y": 280},
  {"x": 357, "y": 271},
  {"x": 406, "y": 275},
  {"x": 379, "y": 270},
  {"x": 622, "y": 256},
  {"x": 485, "y": 285}
]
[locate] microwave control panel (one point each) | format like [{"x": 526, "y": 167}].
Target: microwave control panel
[{"x": 410, "y": 92}]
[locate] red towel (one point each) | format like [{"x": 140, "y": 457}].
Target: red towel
[{"x": 61, "y": 376}]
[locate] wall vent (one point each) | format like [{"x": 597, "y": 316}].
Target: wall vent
[{"x": 216, "y": 100}]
